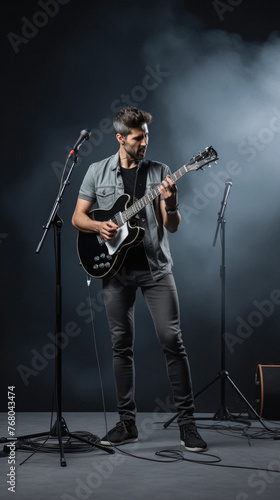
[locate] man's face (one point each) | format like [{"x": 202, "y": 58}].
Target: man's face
[{"x": 136, "y": 143}]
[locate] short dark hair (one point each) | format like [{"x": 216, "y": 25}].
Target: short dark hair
[{"x": 128, "y": 118}]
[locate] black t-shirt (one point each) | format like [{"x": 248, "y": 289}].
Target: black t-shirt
[{"x": 134, "y": 180}]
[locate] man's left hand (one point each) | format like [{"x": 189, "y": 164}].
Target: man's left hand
[{"x": 168, "y": 190}]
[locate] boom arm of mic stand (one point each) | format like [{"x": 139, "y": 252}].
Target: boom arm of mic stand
[
  {"x": 53, "y": 214},
  {"x": 222, "y": 210},
  {"x": 217, "y": 230}
]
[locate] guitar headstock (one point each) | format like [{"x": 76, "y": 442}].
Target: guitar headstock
[{"x": 202, "y": 159}]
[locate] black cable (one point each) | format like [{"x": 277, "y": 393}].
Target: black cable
[
  {"x": 212, "y": 463},
  {"x": 174, "y": 456},
  {"x": 179, "y": 453},
  {"x": 50, "y": 445},
  {"x": 245, "y": 432},
  {"x": 97, "y": 357}
]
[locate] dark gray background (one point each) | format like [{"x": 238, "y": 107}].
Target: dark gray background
[{"x": 217, "y": 84}]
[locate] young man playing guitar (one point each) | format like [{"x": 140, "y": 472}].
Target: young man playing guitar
[{"x": 145, "y": 262}]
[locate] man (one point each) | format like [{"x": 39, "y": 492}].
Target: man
[{"x": 146, "y": 265}]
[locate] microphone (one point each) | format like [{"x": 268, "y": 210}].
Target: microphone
[
  {"x": 84, "y": 136},
  {"x": 228, "y": 185}
]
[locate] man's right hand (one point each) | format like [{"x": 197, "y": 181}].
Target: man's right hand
[
  {"x": 82, "y": 221},
  {"x": 108, "y": 230}
]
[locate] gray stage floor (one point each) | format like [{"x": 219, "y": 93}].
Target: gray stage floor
[{"x": 248, "y": 456}]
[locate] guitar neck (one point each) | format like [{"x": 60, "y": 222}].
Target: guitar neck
[
  {"x": 196, "y": 163},
  {"x": 149, "y": 197}
]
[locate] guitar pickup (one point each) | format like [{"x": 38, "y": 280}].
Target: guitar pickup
[{"x": 101, "y": 241}]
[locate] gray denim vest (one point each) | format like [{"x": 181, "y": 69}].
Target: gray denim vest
[{"x": 103, "y": 184}]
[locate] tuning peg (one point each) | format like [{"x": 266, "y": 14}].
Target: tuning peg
[
  {"x": 202, "y": 168},
  {"x": 215, "y": 162},
  {"x": 209, "y": 165}
]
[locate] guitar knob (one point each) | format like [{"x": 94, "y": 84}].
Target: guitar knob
[
  {"x": 95, "y": 267},
  {"x": 102, "y": 256},
  {"x": 101, "y": 265},
  {"x": 96, "y": 258},
  {"x": 109, "y": 257},
  {"x": 107, "y": 264}
]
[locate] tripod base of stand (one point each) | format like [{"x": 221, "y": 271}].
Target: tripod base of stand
[
  {"x": 59, "y": 430},
  {"x": 223, "y": 413}
]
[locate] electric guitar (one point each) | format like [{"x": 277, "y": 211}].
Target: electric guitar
[{"x": 101, "y": 258}]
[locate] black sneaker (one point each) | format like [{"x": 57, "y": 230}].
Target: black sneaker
[
  {"x": 191, "y": 439},
  {"x": 124, "y": 432}
]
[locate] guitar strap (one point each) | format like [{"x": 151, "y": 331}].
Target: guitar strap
[{"x": 134, "y": 180}]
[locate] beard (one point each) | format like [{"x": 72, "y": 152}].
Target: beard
[{"x": 135, "y": 155}]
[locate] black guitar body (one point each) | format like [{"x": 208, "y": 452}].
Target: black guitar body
[{"x": 92, "y": 249}]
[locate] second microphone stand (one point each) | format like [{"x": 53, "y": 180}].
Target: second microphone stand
[{"x": 222, "y": 413}]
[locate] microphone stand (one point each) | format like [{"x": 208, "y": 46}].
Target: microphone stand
[
  {"x": 222, "y": 413},
  {"x": 60, "y": 428}
]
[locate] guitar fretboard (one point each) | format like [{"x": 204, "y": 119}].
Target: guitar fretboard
[{"x": 195, "y": 164}]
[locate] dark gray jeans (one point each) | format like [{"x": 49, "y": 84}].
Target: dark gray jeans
[{"x": 162, "y": 301}]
